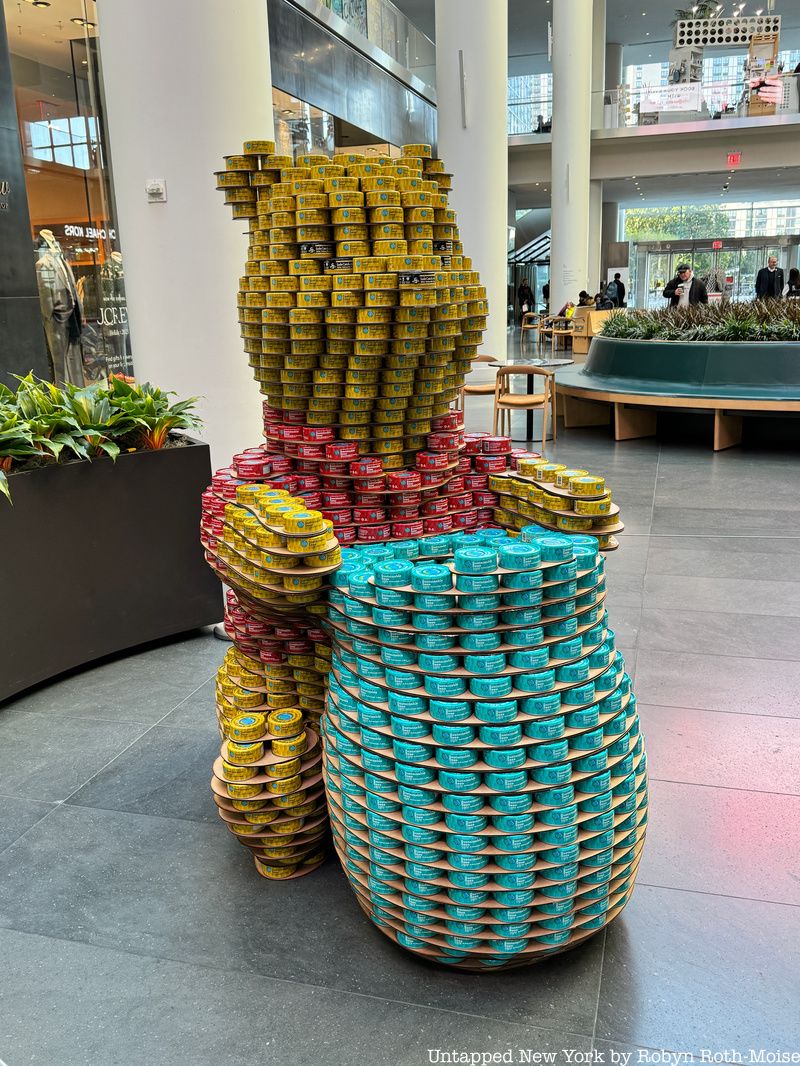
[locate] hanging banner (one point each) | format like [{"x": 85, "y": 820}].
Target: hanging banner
[{"x": 686, "y": 96}]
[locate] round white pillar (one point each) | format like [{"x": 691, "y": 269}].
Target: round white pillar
[
  {"x": 472, "y": 37},
  {"x": 598, "y": 61},
  {"x": 613, "y": 65},
  {"x": 572, "y": 85},
  {"x": 185, "y": 84},
  {"x": 595, "y": 235}
]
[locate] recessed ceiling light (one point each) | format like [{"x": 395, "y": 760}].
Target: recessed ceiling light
[
  {"x": 84, "y": 22},
  {"x": 38, "y": 3}
]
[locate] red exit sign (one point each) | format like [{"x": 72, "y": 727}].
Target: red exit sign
[
  {"x": 734, "y": 159},
  {"x": 716, "y": 245}
]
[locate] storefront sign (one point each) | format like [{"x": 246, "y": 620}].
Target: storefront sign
[
  {"x": 91, "y": 233},
  {"x": 684, "y": 96}
]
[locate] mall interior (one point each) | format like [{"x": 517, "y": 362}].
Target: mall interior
[{"x": 399, "y": 440}]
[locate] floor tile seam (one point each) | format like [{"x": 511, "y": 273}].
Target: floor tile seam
[
  {"x": 724, "y": 788},
  {"x": 599, "y": 983},
  {"x": 724, "y": 536},
  {"x": 718, "y": 895},
  {"x": 211, "y": 968},
  {"x": 38, "y": 822},
  {"x": 135, "y": 814},
  {"x": 720, "y": 710},
  {"x": 188, "y": 696},
  {"x": 106, "y": 765},
  {"x": 719, "y": 655}
]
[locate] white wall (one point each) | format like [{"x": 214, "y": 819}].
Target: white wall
[{"x": 186, "y": 82}]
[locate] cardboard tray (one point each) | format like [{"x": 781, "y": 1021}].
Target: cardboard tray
[
  {"x": 262, "y": 779},
  {"x": 311, "y": 785},
  {"x": 270, "y": 759}
]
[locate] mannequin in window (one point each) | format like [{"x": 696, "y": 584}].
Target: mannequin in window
[{"x": 61, "y": 310}]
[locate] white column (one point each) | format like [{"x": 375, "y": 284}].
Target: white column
[
  {"x": 598, "y": 61},
  {"x": 186, "y": 83},
  {"x": 473, "y": 143},
  {"x": 595, "y": 234},
  {"x": 572, "y": 84},
  {"x": 613, "y": 65}
]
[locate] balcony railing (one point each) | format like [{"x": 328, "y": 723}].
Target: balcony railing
[{"x": 645, "y": 105}]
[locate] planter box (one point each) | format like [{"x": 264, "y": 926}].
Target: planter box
[{"x": 99, "y": 557}]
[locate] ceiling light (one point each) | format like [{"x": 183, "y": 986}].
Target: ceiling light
[
  {"x": 84, "y": 22},
  {"x": 38, "y": 3}
]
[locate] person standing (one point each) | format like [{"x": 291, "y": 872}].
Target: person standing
[
  {"x": 769, "y": 281},
  {"x": 615, "y": 290},
  {"x": 685, "y": 288},
  {"x": 525, "y": 298},
  {"x": 794, "y": 284}
]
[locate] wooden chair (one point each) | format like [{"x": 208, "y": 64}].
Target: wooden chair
[
  {"x": 484, "y": 389},
  {"x": 506, "y": 402},
  {"x": 530, "y": 324}
]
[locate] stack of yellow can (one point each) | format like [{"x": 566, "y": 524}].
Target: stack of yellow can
[
  {"x": 267, "y": 786},
  {"x": 358, "y": 307},
  {"x": 557, "y": 498}
]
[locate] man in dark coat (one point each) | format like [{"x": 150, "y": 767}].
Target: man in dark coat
[
  {"x": 685, "y": 289},
  {"x": 769, "y": 281}
]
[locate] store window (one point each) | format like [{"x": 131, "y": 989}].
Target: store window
[
  {"x": 302, "y": 129},
  {"x": 55, "y": 70}
]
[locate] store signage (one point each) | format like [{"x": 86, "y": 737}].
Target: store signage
[
  {"x": 734, "y": 159},
  {"x": 91, "y": 233},
  {"x": 684, "y": 96},
  {"x": 716, "y": 245}
]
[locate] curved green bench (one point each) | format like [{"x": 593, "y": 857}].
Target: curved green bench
[{"x": 637, "y": 378}]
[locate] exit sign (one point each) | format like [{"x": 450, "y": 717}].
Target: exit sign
[
  {"x": 716, "y": 245},
  {"x": 734, "y": 159}
]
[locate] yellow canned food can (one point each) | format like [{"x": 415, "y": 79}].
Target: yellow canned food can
[
  {"x": 285, "y": 723},
  {"x": 290, "y": 746},
  {"x": 243, "y": 752},
  {"x": 282, "y": 786},
  {"x": 290, "y": 768},
  {"x": 237, "y": 773},
  {"x": 593, "y": 507},
  {"x": 587, "y": 485},
  {"x": 273, "y": 872},
  {"x": 243, "y": 791}
]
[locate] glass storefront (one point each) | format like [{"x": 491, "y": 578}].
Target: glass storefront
[
  {"x": 302, "y": 129},
  {"x": 75, "y": 238}
]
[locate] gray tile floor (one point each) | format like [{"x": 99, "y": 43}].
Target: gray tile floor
[{"x": 133, "y": 929}]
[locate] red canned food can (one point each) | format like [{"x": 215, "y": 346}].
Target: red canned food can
[
  {"x": 407, "y": 529},
  {"x": 437, "y": 506},
  {"x": 465, "y": 464},
  {"x": 403, "y": 513},
  {"x": 285, "y": 632},
  {"x": 368, "y": 514},
  {"x": 367, "y": 467},
  {"x": 462, "y": 501},
  {"x": 473, "y": 443},
  {"x": 497, "y": 445},
  {"x": 443, "y": 524},
  {"x": 342, "y": 450},
  {"x": 404, "y": 499},
  {"x": 371, "y": 484},
  {"x": 289, "y": 432},
  {"x": 313, "y": 500},
  {"x": 431, "y": 461},
  {"x": 310, "y": 451},
  {"x": 317, "y": 636},
  {"x": 279, "y": 464},
  {"x": 294, "y": 417},
  {"x": 298, "y": 646},
  {"x": 484, "y": 499},
  {"x": 490, "y": 464},
  {"x": 309, "y": 481},
  {"x": 330, "y": 483},
  {"x": 374, "y": 534},
  {"x": 323, "y": 434},
  {"x": 368, "y": 499},
  {"x": 285, "y": 481},
  {"x": 335, "y": 468},
  {"x": 336, "y": 499},
  {"x": 403, "y": 479},
  {"x": 229, "y": 489},
  {"x": 521, "y": 453},
  {"x": 476, "y": 481},
  {"x": 452, "y": 420},
  {"x": 345, "y": 534},
  {"x": 338, "y": 515},
  {"x": 432, "y": 479},
  {"x": 465, "y": 519},
  {"x": 442, "y": 442},
  {"x": 485, "y": 517},
  {"x": 456, "y": 484}
]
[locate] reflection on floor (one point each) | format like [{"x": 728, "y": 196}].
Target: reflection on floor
[{"x": 123, "y": 899}]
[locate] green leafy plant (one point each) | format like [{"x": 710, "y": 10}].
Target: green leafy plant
[
  {"x": 41, "y": 423},
  {"x": 152, "y": 415},
  {"x": 763, "y": 320}
]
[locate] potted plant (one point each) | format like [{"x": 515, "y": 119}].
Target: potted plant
[{"x": 100, "y": 550}]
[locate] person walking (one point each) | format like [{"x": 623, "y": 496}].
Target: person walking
[
  {"x": 525, "y": 298},
  {"x": 769, "y": 281},
  {"x": 685, "y": 288},
  {"x": 615, "y": 290}
]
